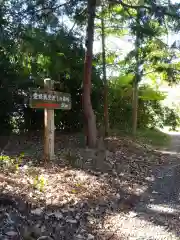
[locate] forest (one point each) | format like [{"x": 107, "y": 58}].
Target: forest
[
  {"x": 113, "y": 57},
  {"x": 36, "y": 43}
]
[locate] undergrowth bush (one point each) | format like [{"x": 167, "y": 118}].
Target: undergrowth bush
[
  {"x": 151, "y": 111},
  {"x": 16, "y": 165}
]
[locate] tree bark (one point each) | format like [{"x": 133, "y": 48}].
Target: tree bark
[
  {"x": 135, "y": 106},
  {"x": 136, "y": 80},
  {"x": 89, "y": 116},
  {"x": 106, "y": 115}
]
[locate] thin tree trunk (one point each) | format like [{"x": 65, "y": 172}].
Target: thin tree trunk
[
  {"x": 135, "y": 106},
  {"x": 106, "y": 115},
  {"x": 136, "y": 81},
  {"x": 89, "y": 116}
]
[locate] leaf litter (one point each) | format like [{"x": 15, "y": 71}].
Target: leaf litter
[{"x": 79, "y": 196}]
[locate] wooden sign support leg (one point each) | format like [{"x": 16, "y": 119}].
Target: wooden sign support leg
[{"x": 49, "y": 126}]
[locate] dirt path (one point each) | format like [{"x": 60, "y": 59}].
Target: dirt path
[{"x": 157, "y": 216}]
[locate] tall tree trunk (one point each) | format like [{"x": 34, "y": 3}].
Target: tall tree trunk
[
  {"x": 89, "y": 116},
  {"x": 106, "y": 115},
  {"x": 135, "y": 106},
  {"x": 136, "y": 80}
]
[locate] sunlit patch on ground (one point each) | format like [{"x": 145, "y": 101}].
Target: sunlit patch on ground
[
  {"x": 168, "y": 152},
  {"x": 162, "y": 208},
  {"x": 168, "y": 131},
  {"x": 59, "y": 187},
  {"x": 134, "y": 228}
]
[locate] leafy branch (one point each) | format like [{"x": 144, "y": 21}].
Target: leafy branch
[{"x": 154, "y": 8}]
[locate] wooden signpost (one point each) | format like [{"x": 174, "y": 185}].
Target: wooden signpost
[{"x": 49, "y": 100}]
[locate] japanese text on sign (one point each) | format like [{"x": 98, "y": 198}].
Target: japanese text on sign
[{"x": 50, "y": 97}]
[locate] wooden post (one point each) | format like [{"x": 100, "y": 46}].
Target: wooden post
[{"x": 49, "y": 126}]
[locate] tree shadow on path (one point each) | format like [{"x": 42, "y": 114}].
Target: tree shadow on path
[
  {"x": 158, "y": 206},
  {"x": 161, "y": 202}
]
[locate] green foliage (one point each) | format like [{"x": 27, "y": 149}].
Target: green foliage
[
  {"x": 35, "y": 44},
  {"x": 9, "y": 163},
  {"x": 172, "y": 118},
  {"x": 33, "y": 54},
  {"x": 153, "y": 137},
  {"x": 151, "y": 112},
  {"x": 15, "y": 165},
  {"x": 6, "y": 161},
  {"x": 148, "y": 136},
  {"x": 39, "y": 182},
  {"x": 149, "y": 94}
]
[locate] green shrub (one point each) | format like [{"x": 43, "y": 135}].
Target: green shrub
[{"x": 151, "y": 112}]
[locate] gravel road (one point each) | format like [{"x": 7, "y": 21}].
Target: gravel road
[{"x": 156, "y": 217}]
